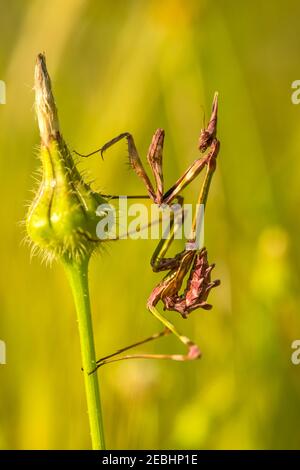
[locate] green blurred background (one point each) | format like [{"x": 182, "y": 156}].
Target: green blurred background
[{"x": 135, "y": 66}]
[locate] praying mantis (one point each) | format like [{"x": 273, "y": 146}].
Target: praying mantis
[{"x": 190, "y": 263}]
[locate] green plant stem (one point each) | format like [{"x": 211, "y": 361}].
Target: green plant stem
[{"x": 77, "y": 273}]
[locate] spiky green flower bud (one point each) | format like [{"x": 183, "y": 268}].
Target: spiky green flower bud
[{"x": 61, "y": 221}]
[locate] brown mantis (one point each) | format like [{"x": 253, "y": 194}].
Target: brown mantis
[{"x": 190, "y": 263}]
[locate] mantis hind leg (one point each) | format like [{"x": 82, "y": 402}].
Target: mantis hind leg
[
  {"x": 193, "y": 350},
  {"x": 192, "y": 354}
]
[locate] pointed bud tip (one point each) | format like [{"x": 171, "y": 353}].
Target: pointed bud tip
[{"x": 44, "y": 102}]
